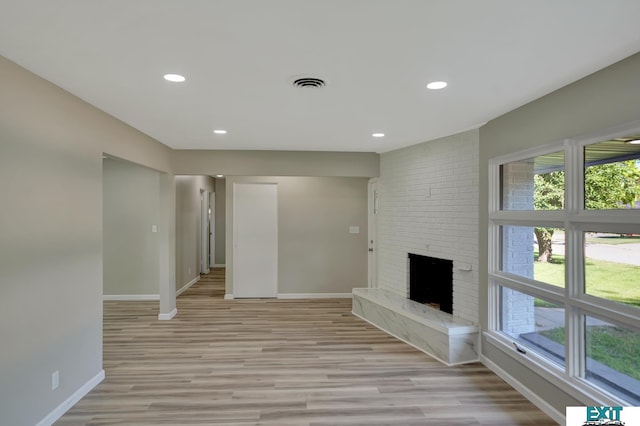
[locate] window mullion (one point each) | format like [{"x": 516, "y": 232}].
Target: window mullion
[
  {"x": 573, "y": 180},
  {"x": 574, "y": 257}
]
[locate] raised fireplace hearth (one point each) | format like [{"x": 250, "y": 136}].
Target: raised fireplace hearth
[
  {"x": 425, "y": 319},
  {"x": 439, "y": 334},
  {"x": 431, "y": 281}
]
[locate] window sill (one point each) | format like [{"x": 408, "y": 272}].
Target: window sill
[{"x": 577, "y": 388}]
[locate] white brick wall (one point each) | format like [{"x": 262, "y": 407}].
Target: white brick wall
[
  {"x": 428, "y": 205},
  {"x": 518, "y": 315}
]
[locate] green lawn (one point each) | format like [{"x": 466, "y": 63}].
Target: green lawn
[
  {"x": 613, "y": 281},
  {"x": 614, "y": 347}
]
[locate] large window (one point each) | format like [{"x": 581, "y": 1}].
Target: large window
[{"x": 564, "y": 262}]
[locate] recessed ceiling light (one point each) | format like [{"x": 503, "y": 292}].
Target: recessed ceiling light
[
  {"x": 634, "y": 142},
  {"x": 220, "y": 132},
  {"x": 219, "y": 176},
  {"x": 435, "y": 85},
  {"x": 378, "y": 135},
  {"x": 175, "y": 78}
]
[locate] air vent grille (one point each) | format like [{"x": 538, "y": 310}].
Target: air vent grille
[{"x": 309, "y": 82}]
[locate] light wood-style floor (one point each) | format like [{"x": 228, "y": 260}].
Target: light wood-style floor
[{"x": 279, "y": 362}]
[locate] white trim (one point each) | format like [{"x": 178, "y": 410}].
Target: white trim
[
  {"x": 577, "y": 388},
  {"x": 608, "y": 133},
  {"x": 187, "y": 285},
  {"x": 314, "y": 295},
  {"x": 59, "y": 411},
  {"x": 212, "y": 228},
  {"x": 131, "y": 297},
  {"x": 543, "y": 405},
  {"x": 526, "y": 154},
  {"x": 372, "y": 232},
  {"x": 167, "y": 317},
  {"x": 204, "y": 231},
  {"x": 228, "y": 296},
  {"x": 220, "y": 265}
]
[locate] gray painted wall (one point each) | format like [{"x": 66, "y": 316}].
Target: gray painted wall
[
  {"x": 188, "y": 232},
  {"x": 605, "y": 99},
  {"x": 51, "y": 146},
  {"x": 316, "y": 252},
  {"x": 276, "y": 163},
  {"x": 131, "y": 197}
]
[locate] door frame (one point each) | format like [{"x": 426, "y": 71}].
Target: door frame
[
  {"x": 204, "y": 231},
  {"x": 212, "y": 229},
  {"x": 372, "y": 230}
]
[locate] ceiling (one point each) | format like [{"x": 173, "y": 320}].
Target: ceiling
[{"x": 239, "y": 58}]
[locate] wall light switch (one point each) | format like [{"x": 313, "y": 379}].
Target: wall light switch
[
  {"x": 354, "y": 229},
  {"x": 55, "y": 380},
  {"x": 154, "y": 228}
]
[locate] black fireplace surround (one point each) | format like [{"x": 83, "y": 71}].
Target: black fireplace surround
[{"x": 431, "y": 281}]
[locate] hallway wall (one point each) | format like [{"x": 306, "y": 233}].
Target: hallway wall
[
  {"x": 131, "y": 200},
  {"x": 316, "y": 252}
]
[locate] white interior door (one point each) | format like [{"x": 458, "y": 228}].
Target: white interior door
[{"x": 255, "y": 240}]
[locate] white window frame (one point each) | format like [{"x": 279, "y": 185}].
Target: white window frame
[{"x": 575, "y": 220}]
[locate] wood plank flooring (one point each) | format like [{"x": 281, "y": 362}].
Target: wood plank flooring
[{"x": 279, "y": 362}]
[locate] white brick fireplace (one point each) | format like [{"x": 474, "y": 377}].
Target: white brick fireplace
[{"x": 428, "y": 205}]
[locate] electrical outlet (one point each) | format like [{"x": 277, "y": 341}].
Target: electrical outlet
[{"x": 55, "y": 380}]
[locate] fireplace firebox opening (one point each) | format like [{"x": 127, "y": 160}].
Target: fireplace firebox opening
[{"x": 431, "y": 281}]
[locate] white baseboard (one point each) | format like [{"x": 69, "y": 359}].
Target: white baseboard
[
  {"x": 167, "y": 317},
  {"x": 314, "y": 295},
  {"x": 219, "y": 265},
  {"x": 525, "y": 391},
  {"x": 59, "y": 411},
  {"x": 304, "y": 296},
  {"x": 187, "y": 285},
  {"x": 131, "y": 297}
]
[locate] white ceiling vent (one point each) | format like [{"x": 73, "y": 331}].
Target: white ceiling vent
[{"x": 309, "y": 82}]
